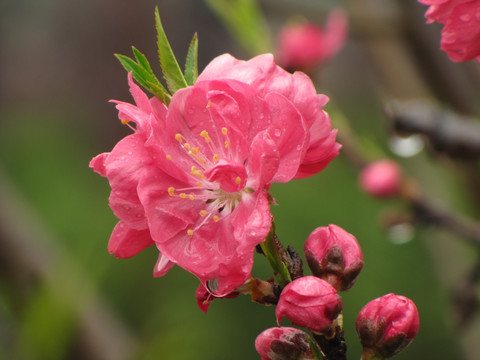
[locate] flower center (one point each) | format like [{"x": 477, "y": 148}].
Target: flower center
[{"x": 219, "y": 181}]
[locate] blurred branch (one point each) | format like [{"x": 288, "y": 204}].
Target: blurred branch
[
  {"x": 246, "y": 23},
  {"x": 28, "y": 252}
]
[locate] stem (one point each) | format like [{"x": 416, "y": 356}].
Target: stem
[
  {"x": 314, "y": 347},
  {"x": 273, "y": 250},
  {"x": 334, "y": 347}
]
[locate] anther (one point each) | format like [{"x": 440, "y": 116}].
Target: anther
[
  {"x": 168, "y": 157},
  {"x": 178, "y": 137},
  {"x": 183, "y": 195},
  {"x": 227, "y": 144},
  {"x": 191, "y": 197},
  {"x": 171, "y": 191},
  {"x": 203, "y": 212},
  {"x": 124, "y": 121},
  {"x": 224, "y": 130},
  {"x": 238, "y": 180},
  {"x": 204, "y": 134},
  {"x": 190, "y": 232},
  {"x": 215, "y": 218},
  {"x": 216, "y": 157}
]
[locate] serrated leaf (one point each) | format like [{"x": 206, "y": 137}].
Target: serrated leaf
[
  {"x": 191, "y": 63},
  {"x": 144, "y": 76},
  {"x": 170, "y": 68}
]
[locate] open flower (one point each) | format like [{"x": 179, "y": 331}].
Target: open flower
[
  {"x": 193, "y": 179},
  {"x": 461, "y": 30}
]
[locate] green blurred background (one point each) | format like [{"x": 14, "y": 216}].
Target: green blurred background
[{"x": 62, "y": 296}]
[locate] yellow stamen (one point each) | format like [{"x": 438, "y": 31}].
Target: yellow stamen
[
  {"x": 191, "y": 197},
  {"x": 195, "y": 150},
  {"x": 190, "y": 232},
  {"x": 168, "y": 157},
  {"x": 227, "y": 144},
  {"x": 178, "y": 137},
  {"x": 205, "y": 135},
  {"x": 187, "y": 146},
  {"x": 199, "y": 184},
  {"x": 215, "y": 218},
  {"x": 183, "y": 195},
  {"x": 124, "y": 121},
  {"x": 203, "y": 212},
  {"x": 224, "y": 130},
  {"x": 216, "y": 157},
  {"x": 238, "y": 180},
  {"x": 171, "y": 191}
]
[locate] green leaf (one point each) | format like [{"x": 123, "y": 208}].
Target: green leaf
[
  {"x": 143, "y": 74},
  {"x": 191, "y": 64},
  {"x": 171, "y": 71}
]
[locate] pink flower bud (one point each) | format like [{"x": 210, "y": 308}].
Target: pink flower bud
[
  {"x": 283, "y": 343},
  {"x": 306, "y": 45},
  {"x": 387, "y": 325},
  {"x": 382, "y": 178},
  {"x": 309, "y": 302},
  {"x": 334, "y": 255}
]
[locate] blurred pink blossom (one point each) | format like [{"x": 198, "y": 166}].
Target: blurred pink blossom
[
  {"x": 382, "y": 178},
  {"x": 193, "y": 178},
  {"x": 303, "y": 46},
  {"x": 461, "y": 30}
]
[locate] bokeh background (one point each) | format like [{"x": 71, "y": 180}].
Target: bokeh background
[{"x": 62, "y": 296}]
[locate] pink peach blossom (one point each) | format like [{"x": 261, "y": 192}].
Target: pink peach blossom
[
  {"x": 284, "y": 343},
  {"x": 193, "y": 179},
  {"x": 387, "y": 325},
  {"x": 303, "y": 46},
  {"x": 309, "y": 302},
  {"x": 461, "y": 30},
  {"x": 334, "y": 255}
]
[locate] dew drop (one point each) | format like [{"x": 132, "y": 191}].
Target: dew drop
[{"x": 465, "y": 17}]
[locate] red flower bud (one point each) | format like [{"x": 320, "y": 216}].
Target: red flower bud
[
  {"x": 382, "y": 178},
  {"x": 334, "y": 255},
  {"x": 309, "y": 302},
  {"x": 387, "y": 325},
  {"x": 283, "y": 343}
]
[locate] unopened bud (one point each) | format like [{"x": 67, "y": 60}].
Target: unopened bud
[
  {"x": 334, "y": 255},
  {"x": 310, "y": 302},
  {"x": 386, "y": 326},
  {"x": 284, "y": 343},
  {"x": 382, "y": 178}
]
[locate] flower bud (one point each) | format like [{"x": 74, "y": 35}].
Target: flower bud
[
  {"x": 284, "y": 343},
  {"x": 387, "y": 325},
  {"x": 382, "y": 178},
  {"x": 310, "y": 302},
  {"x": 334, "y": 255}
]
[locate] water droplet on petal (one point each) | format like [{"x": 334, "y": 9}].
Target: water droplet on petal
[{"x": 465, "y": 17}]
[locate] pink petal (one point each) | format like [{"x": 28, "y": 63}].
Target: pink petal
[
  {"x": 126, "y": 242},
  {"x": 162, "y": 266},
  {"x": 289, "y": 134}
]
